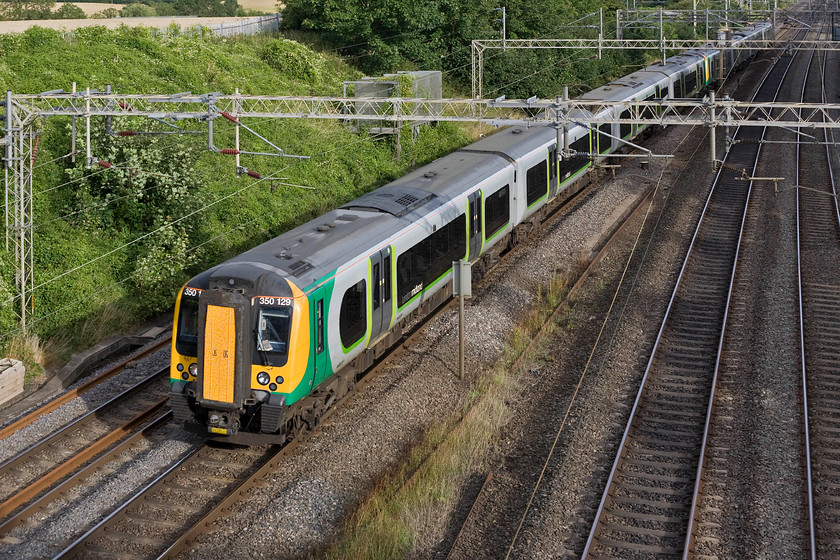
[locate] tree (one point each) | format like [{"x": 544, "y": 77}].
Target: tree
[
  {"x": 69, "y": 11},
  {"x": 107, "y": 13},
  {"x": 137, "y": 9},
  {"x": 26, "y": 9},
  {"x": 385, "y": 32}
]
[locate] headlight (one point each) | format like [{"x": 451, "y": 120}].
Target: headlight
[
  {"x": 263, "y": 378},
  {"x": 193, "y": 369},
  {"x": 180, "y": 367},
  {"x": 279, "y": 380}
]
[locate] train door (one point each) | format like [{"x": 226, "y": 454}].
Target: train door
[
  {"x": 380, "y": 292},
  {"x": 553, "y": 164},
  {"x": 475, "y": 239},
  {"x": 318, "y": 311}
]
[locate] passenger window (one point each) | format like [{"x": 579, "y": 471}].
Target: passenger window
[
  {"x": 430, "y": 258},
  {"x": 537, "y": 179},
  {"x": 497, "y": 211},
  {"x": 386, "y": 281},
  {"x": 352, "y": 320}
]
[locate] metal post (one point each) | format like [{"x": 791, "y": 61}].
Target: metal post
[
  {"x": 89, "y": 157},
  {"x": 461, "y": 288},
  {"x": 504, "y": 28},
  {"x": 236, "y": 128},
  {"x": 480, "y": 74},
  {"x": 8, "y": 159},
  {"x": 662, "y": 35},
  {"x": 73, "y": 132},
  {"x": 694, "y": 16},
  {"x": 714, "y": 126},
  {"x": 618, "y": 24},
  {"x": 565, "y": 125},
  {"x": 473, "y": 56},
  {"x": 19, "y": 224},
  {"x": 461, "y": 335}
]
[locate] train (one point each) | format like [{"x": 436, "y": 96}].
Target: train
[{"x": 266, "y": 342}]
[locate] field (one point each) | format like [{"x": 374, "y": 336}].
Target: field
[{"x": 90, "y": 8}]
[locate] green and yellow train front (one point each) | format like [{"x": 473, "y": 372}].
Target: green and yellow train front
[{"x": 240, "y": 356}]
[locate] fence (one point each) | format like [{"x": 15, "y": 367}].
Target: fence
[
  {"x": 163, "y": 27},
  {"x": 251, "y": 26}
]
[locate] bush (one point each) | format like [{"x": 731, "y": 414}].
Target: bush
[
  {"x": 107, "y": 13},
  {"x": 293, "y": 59},
  {"x": 137, "y": 10},
  {"x": 69, "y": 11}
]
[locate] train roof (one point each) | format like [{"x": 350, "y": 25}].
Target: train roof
[
  {"x": 310, "y": 251},
  {"x": 514, "y": 142}
]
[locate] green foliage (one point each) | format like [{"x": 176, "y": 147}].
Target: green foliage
[
  {"x": 137, "y": 9},
  {"x": 384, "y": 33},
  {"x": 69, "y": 11},
  {"x": 387, "y": 35},
  {"x": 107, "y": 13},
  {"x": 293, "y": 59},
  {"x": 26, "y": 9}
]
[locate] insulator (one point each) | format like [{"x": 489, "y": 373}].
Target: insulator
[
  {"x": 126, "y": 133},
  {"x": 230, "y": 117},
  {"x": 253, "y": 174},
  {"x": 125, "y": 106},
  {"x": 104, "y": 164},
  {"x": 35, "y": 150},
  {"x": 229, "y": 151}
]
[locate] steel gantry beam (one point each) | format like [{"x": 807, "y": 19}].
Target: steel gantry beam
[
  {"x": 496, "y": 112},
  {"x": 663, "y": 45}
]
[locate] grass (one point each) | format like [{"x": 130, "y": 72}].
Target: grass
[
  {"x": 68, "y": 314},
  {"x": 410, "y": 502}
]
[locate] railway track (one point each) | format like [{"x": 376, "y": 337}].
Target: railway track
[
  {"x": 818, "y": 260},
  {"x": 48, "y": 407},
  {"x": 647, "y": 506},
  {"x": 53, "y": 459}
]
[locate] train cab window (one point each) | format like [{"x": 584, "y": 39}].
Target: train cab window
[
  {"x": 352, "y": 319},
  {"x": 552, "y": 163},
  {"x": 187, "y": 341},
  {"x": 273, "y": 335},
  {"x": 496, "y": 211},
  {"x": 537, "y": 182}
]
